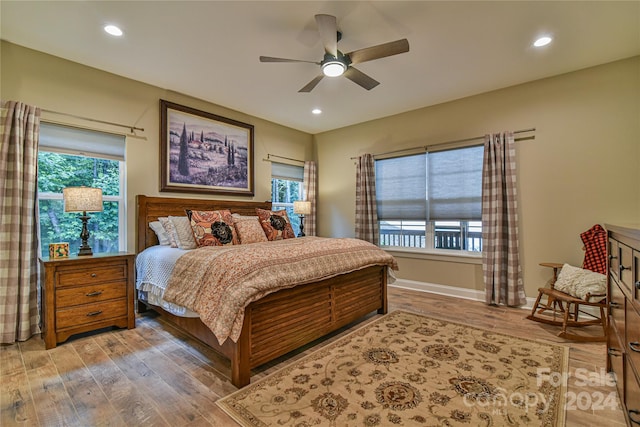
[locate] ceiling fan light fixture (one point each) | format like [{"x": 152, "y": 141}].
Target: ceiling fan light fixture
[
  {"x": 333, "y": 68},
  {"x": 113, "y": 30}
]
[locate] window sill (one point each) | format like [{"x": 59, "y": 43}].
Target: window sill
[{"x": 435, "y": 254}]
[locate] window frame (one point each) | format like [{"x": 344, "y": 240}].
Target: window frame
[
  {"x": 120, "y": 199},
  {"x": 429, "y": 248},
  {"x": 288, "y": 206}
]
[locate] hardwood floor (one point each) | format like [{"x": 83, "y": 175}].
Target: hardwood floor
[{"x": 155, "y": 375}]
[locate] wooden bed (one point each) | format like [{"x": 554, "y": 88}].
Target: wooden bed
[{"x": 282, "y": 321}]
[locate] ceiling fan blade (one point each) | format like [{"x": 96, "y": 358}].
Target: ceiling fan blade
[
  {"x": 379, "y": 51},
  {"x": 360, "y": 78},
  {"x": 313, "y": 83},
  {"x": 272, "y": 59},
  {"x": 328, "y": 29}
]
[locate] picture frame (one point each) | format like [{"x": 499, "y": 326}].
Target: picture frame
[{"x": 201, "y": 152}]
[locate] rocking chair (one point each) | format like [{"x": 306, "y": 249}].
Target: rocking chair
[{"x": 563, "y": 309}]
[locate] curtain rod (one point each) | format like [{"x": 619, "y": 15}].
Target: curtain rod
[
  {"x": 268, "y": 159},
  {"x": 131, "y": 128},
  {"x": 457, "y": 141}
]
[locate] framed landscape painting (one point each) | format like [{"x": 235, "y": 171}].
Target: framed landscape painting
[{"x": 201, "y": 152}]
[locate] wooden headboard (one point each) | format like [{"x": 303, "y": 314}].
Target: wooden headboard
[{"x": 151, "y": 208}]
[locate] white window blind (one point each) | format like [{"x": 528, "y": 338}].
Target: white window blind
[
  {"x": 77, "y": 141},
  {"x": 401, "y": 187},
  {"x": 455, "y": 184},
  {"x": 287, "y": 172},
  {"x": 435, "y": 186}
]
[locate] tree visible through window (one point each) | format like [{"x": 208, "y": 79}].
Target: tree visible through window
[
  {"x": 60, "y": 165},
  {"x": 286, "y": 188}
]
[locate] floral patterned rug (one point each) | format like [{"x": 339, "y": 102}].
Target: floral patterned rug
[{"x": 409, "y": 369}]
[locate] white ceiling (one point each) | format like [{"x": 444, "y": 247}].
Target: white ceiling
[{"x": 210, "y": 49}]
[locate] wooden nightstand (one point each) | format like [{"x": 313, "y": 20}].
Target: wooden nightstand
[{"x": 85, "y": 293}]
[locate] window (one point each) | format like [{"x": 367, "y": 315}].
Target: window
[
  {"x": 73, "y": 157},
  {"x": 286, "y": 188},
  {"x": 431, "y": 200}
]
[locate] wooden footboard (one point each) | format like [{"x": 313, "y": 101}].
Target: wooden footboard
[
  {"x": 288, "y": 319},
  {"x": 280, "y": 322}
]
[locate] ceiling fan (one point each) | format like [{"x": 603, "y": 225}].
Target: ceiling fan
[{"x": 336, "y": 63}]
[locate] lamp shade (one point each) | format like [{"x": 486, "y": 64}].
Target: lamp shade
[
  {"x": 82, "y": 199},
  {"x": 302, "y": 208}
]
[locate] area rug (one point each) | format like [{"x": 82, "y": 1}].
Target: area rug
[{"x": 409, "y": 369}]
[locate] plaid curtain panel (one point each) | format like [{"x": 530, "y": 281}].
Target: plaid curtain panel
[
  {"x": 19, "y": 313},
  {"x": 310, "y": 184},
  {"x": 500, "y": 253},
  {"x": 366, "y": 210}
]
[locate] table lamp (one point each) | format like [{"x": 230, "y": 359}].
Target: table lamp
[
  {"x": 301, "y": 208},
  {"x": 83, "y": 199}
]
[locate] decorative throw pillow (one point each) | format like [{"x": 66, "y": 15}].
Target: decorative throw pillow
[
  {"x": 249, "y": 230},
  {"x": 182, "y": 232},
  {"x": 168, "y": 228},
  {"x": 579, "y": 282},
  {"x": 161, "y": 233},
  {"x": 213, "y": 228},
  {"x": 237, "y": 216},
  {"x": 276, "y": 224}
]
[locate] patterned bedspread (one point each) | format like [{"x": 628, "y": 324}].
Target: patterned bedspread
[{"x": 218, "y": 282}]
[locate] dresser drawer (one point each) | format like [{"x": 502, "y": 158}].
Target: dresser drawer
[
  {"x": 635, "y": 286},
  {"x": 615, "y": 359},
  {"x": 626, "y": 268},
  {"x": 632, "y": 394},
  {"x": 83, "y": 314},
  {"x": 632, "y": 344},
  {"x": 614, "y": 257},
  {"x": 73, "y": 277},
  {"x": 90, "y": 294},
  {"x": 617, "y": 307}
]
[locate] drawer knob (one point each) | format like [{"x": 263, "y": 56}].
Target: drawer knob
[
  {"x": 622, "y": 268},
  {"x": 638, "y": 285},
  {"x": 93, "y": 274},
  {"x": 614, "y": 304},
  {"x": 94, "y": 294},
  {"x": 635, "y": 346},
  {"x": 94, "y": 313},
  {"x": 613, "y": 352}
]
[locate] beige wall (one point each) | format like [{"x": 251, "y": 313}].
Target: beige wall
[
  {"x": 59, "y": 85},
  {"x": 582, "y": 168}
]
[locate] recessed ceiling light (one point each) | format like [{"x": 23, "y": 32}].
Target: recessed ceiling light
[
  {"x": 542, "y": 41},
  {"x": 113, "y": 30},
  {"x": 316, "y": 111}
]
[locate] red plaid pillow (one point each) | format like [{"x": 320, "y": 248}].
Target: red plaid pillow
[{"x": 595, "y": 246}]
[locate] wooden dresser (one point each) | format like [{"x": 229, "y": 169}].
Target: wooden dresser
[
  {"x": 623, "y": 346},
  {"x": 85, "y": 293}
]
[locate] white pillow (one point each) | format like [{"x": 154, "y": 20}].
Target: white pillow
[
  {"x": 161, "y": 233},
  {"x": 183, "y": 233},
  {"x": 168, "y": 228},
  {"x": 579, "y": 282}
]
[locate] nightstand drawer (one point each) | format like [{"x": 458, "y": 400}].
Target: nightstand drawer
[
  {"x": 72, "y": 317},
  {"x": 92, "y": 275},
  {"x": 69, "y": 297}
]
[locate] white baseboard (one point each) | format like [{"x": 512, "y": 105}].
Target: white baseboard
[
  {"x": 464, "y": 293},
  {"x": 450, "y": 291}
]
